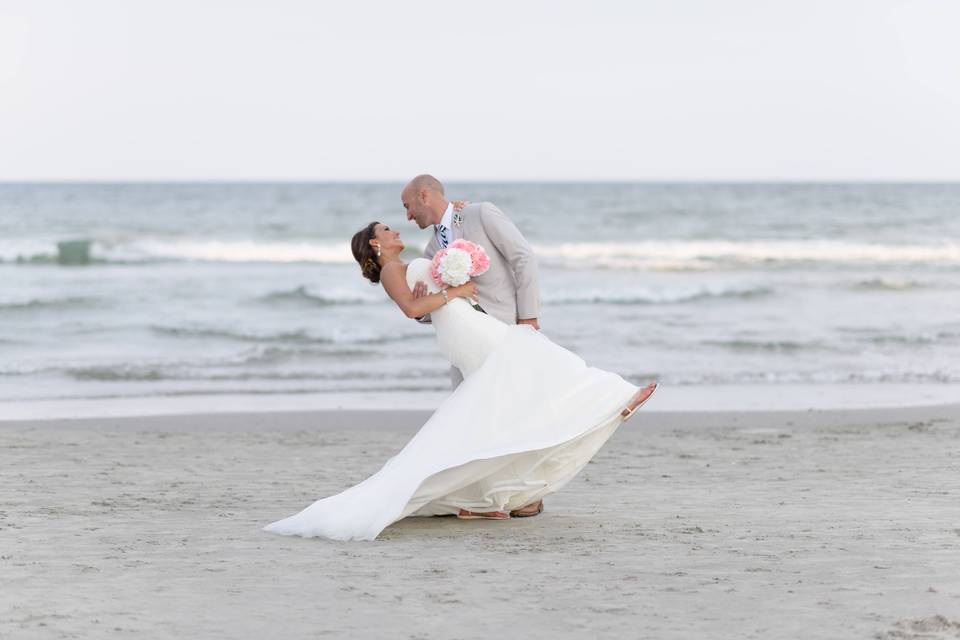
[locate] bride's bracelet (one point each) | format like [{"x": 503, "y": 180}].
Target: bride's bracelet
[{"x": 443, "y": 292}]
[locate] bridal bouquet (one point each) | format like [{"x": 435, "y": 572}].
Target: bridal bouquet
[{"x": 460, "y": 261}]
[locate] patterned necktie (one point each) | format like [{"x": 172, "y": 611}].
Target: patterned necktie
[{"x": 442, "y": 235}]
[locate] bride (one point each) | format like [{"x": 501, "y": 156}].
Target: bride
[{"x": 527, "y": 418}]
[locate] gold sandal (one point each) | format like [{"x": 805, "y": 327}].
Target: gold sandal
[{"x": 518, "y": 513}]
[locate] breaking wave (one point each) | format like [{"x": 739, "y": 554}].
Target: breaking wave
[
  {"x": 299, "y": 336},
  {"x": 48, "y": 304},
  {"x": 695, "y": 255},
  {"x": 662, "y": 297},
  {"x": 303, "y": 295},
  {"x": 665, "y": 255},
  {"x": 888, "y": 284}
]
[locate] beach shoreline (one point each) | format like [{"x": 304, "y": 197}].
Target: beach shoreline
[
  {"x": 410, "y": 420},
  {"x": 670, "y": 399}
]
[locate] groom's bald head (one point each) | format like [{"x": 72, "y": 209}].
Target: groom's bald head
[
  {"x": 424, "y": 200},
  {"x": 425, "y": 181}
]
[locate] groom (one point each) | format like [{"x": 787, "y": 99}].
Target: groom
[{"x": 509, "y": 290}]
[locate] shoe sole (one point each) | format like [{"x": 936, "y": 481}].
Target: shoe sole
[{"x": 642, "y": 402}]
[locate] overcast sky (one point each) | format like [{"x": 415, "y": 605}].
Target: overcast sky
[{"x": 494, "y": 90}]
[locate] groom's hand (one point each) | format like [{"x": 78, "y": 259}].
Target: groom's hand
[
  {"x": 530, "y": 321},
  {"x": 419, "y": 290}
]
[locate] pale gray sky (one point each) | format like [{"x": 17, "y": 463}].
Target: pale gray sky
[{"x": 646, "y": 90}]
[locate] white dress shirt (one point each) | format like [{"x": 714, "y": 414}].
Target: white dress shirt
[{"x": 446, "y": 221}]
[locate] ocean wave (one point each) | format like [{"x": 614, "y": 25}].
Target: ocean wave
[
  {"x": 417, "y": 380},
  {"x": 298, "y": 336},
  {"x": 813, "y": 377},
  {"x": 174, "y": 373},
  {"x": 888, "y": 284},
  {"x": 680, "y": 255},
  {"x": 235, "y": 251},
  {"x": 117, "y": 373},
  {"x": 914, "y": 338},
  {"x": 302, "y": 295},
  {"x": 88, "y": 251},
  {"x": 48, "y": 304},
  {"x": 792, "y": 346},
  {"x": 656, "y": 255},
  {"x": 411, "y": 374},
  {"x": 661, "y": 297},
  {"x": 103, "y": 251},
  {"x": 769, "y": 346},
  {"x": 154, "y": 376},
  {"x": 27, "y": 250},
  {"x": 417, "y": 387},
  {"x": 363, "y": 350},
  {"x": 269, "y": 355}
]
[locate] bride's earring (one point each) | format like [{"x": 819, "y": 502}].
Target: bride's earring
[{"x": 378, "y": 250}]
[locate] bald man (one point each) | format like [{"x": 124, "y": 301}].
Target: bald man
[{"x": 510, "y": 289}]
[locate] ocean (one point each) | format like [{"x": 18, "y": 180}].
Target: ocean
[{"x": 216, "y": 296}]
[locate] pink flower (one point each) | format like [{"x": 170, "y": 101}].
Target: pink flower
[
  {"x": 479, "y": 260},
  {"x": 451, "y": 269},
  {"x": 435, "y": 273}
]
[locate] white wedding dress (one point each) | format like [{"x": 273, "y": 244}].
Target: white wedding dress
[{"x": 527, "y": 417}]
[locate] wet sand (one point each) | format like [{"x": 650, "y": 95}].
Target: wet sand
[{"x": 817, "y": 524}]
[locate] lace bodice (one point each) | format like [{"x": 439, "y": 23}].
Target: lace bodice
[{"x": 465, "y": 336}]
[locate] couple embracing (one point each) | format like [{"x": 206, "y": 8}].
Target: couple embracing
[{"x": 525, "y": 416}]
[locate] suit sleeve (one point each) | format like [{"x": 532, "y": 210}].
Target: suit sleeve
[{"x": 519, "y": 254}]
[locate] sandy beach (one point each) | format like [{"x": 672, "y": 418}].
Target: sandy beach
[{"x": 826, "y": 524}]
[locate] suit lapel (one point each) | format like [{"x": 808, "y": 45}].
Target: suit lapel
[
  {"x": 432, "y": 247},
  {"x": 458, "y": 231}
]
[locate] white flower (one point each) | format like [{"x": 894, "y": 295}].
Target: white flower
[{"x": 455, "y": 267}]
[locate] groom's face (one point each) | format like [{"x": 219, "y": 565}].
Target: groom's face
[{"x": 418, "y": 207}]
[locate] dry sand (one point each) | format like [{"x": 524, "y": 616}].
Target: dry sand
[{"x": 750, "y": 525}]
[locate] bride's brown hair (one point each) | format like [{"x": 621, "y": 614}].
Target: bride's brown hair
[{"x": 364, "y": 254}]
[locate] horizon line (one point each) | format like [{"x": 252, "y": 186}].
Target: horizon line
[{"x": 345, "y": 181}]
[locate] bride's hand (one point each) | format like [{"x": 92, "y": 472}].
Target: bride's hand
[
  {"x": 467, "y": 290},
  {"x": 459, "y": 204}
]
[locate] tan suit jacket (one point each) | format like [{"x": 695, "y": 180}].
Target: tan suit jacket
[{"x": 510, "y": 289}]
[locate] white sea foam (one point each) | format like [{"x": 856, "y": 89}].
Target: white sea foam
[
  {"x": 14, "y": 249},
  {"x": 709, "y": 254},
  {"x": 158, "y": 250},
  {"x": 657, "y": 296},
  {"x": 647, "y": 254},
  {"x": 227, "y": 251}
]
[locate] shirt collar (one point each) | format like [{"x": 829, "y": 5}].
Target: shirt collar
[{"x": 447, "y": 219}]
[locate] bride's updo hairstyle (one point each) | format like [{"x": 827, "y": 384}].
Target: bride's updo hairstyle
[{"x": 364, "y": 254}]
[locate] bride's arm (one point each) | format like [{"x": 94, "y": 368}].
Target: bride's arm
[{"x": 394, "y": 282}]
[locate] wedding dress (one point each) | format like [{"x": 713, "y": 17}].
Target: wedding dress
[{"x": 526, "y": 419}]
